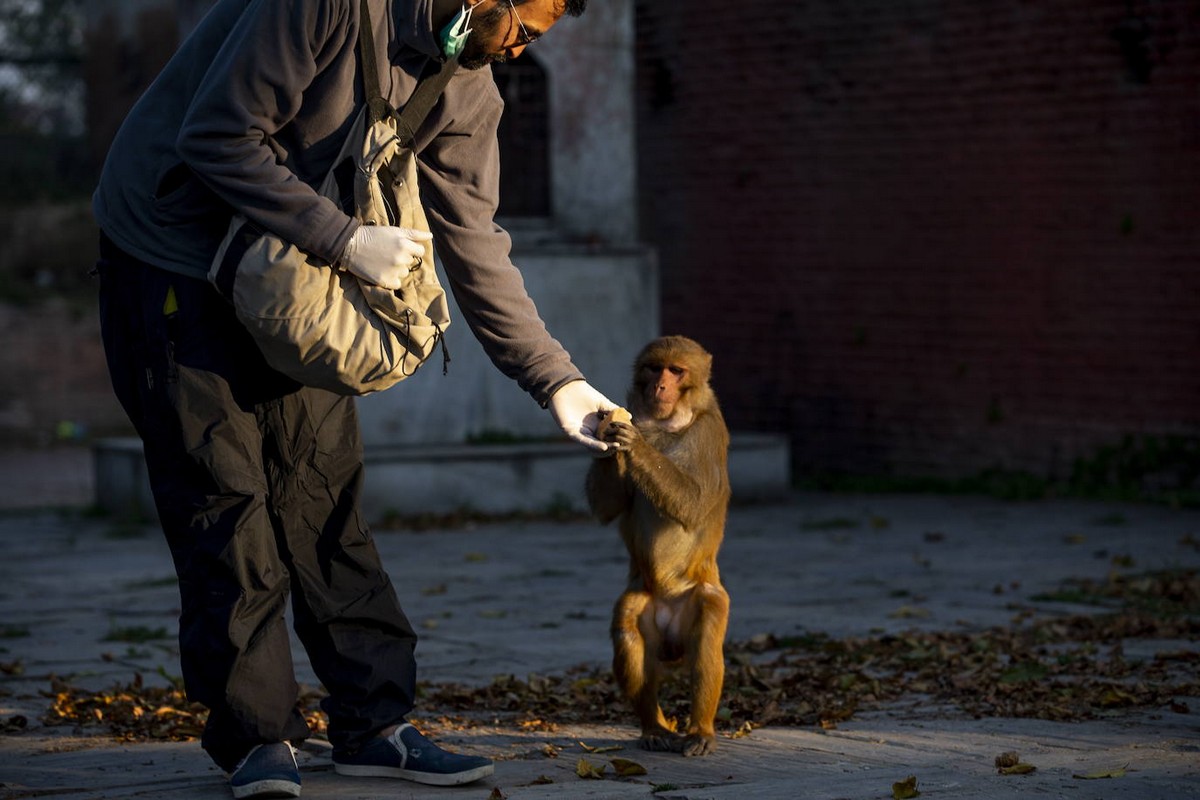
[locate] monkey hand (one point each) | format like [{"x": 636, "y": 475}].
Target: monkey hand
[
  {"x": 621, "y": 435},
  {"x": 577, "y": 407}
]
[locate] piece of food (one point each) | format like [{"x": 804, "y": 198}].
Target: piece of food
[{"x": 618, "y": 415}]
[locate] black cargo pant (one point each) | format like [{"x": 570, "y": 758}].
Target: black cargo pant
[{"x": 256, "y": 480}]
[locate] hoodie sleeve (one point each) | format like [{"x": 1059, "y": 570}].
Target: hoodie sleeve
[
  {"x": 460, "y": 174},
  {"x": 254, "y": 86}
]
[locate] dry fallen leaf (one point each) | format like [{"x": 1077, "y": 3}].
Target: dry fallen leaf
[
  {"x": 1018, "y": 769},
  {"x": 496, "y": 794},
  {"x": 612, "y": 748},
  {"x": 1119, "y": 772},
  {"x": 626, "y": 768},
  {"x": 905, "y": 789},
  {"x": 1116, "y": 697},
  {"x": 909, "y": 612},
  {"x": 588, "y": 770},
  {"x": 1010, "y": 764}
]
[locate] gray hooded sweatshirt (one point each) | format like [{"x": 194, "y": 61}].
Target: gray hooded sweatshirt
[{"x": 249, "y": 116}]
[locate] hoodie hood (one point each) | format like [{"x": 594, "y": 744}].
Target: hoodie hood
[{"x": 414, "y": 23}]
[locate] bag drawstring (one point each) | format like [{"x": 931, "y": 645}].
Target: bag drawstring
[{"x": 441, "y": 337}]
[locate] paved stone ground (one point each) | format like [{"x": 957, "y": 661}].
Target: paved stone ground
[{"x": 525, "y": 598}]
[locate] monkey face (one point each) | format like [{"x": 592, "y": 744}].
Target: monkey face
[
  {"x": 670, "y": 382},
  {"x": 663, "y": 387}
]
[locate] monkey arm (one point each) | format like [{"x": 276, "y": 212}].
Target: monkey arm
[
  {"x": 609, "y": 491},
  {"x": 686, "y": 485},
  {"x": 670, "y": 490}
]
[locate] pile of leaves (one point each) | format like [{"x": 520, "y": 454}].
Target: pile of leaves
[
  {"x": 1068, "y": 667},
  {"x": 135, "y": 711},
  {"x": 129, "y": 712},
  {"x": 1064, "y": 667}
]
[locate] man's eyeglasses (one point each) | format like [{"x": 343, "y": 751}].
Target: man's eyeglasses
[{"x": 524, "y": 40}]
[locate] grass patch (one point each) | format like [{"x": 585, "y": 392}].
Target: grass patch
[
  {"x": 136, "y": 634},
  {"x": 831, "y": 524},
  {"x": 1138, "y": 468},
  {"x": 1161, "y": 594},
  {"x": 152, "y": 583},
  {"x": 468, "y": 518},
  {"x": 497, "y": 436},
  {"x": 14, "y": 631},
  {"x": 125, "y": 530},
  {"x": 999, "y": 483}
]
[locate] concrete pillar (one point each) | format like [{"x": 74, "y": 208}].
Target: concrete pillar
[{"x": 591, "y": 68}]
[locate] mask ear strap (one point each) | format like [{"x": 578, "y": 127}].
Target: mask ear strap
[
  {"x": 464, "y": 19},
  {"x": 454, "y": 35}
]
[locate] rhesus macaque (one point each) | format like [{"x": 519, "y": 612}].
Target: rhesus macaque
[{"x": 668, "y": 484}]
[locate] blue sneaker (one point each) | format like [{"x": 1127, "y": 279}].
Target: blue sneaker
[
  {"x": 409, "y": 755},
  {"x": 268, "y": 770}
]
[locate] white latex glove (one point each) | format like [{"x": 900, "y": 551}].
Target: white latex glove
[
  {"x": 384, "y": 254},
  {"x": 576, "y": 408}
]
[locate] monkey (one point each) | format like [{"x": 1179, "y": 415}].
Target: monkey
[{"x": 667, "y": 482}]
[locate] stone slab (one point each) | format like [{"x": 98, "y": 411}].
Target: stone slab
[{"x": 491, "y": 479}]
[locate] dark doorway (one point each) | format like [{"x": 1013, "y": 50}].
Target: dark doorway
[{"x": 524, "y": 139}]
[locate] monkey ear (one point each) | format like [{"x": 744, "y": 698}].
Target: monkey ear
[{"x": 706, "y": 364}]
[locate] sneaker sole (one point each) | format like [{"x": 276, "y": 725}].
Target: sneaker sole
[
  {"x": 266, "y": 789},
  {"x": 427, "y": 778}
]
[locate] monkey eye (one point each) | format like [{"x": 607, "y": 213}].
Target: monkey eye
[{"x": 677, "y": 370}]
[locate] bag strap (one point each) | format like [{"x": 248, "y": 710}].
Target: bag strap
[
  {"x": 424, "y": 98},
  {"x": 430, "y": 85}
]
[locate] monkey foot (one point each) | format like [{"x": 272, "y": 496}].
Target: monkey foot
[
  {"x": 696, "y": 744},
  {"x": 661, "y": 741}
]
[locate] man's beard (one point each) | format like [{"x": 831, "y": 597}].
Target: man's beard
[{"x": 484, "y": 26}]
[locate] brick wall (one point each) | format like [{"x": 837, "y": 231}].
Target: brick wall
[{"x": 930, "y": 237}]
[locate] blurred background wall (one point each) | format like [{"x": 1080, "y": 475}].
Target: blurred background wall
[{"x": 936, "y": 238}]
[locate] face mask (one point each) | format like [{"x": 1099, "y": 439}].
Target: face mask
[{"x": 454, "y": 35}]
